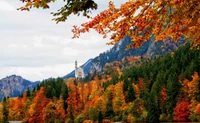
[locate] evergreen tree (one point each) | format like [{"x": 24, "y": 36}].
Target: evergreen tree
[
  {"x": 65, "y": 95},
  {"x": 131, "y": 93},
  {"x": 5, "y": 110},
  {"x": 100, "y": 117},
  {"x": 28, "y": 92},
  {"x": 173, "y": 87},
  {"x": 109, "y": 112},
  {"x": 152, "y": 108}
]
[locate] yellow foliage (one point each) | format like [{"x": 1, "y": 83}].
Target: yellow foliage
[
  {"x": 87, "y": 121},
  {"x": 100, "y": 104},
  {"x": 137, "y": 90},
  {"x": 1, "y": 112},
  {"x": 119, "y": 99},
  {"x": 193, "y": 86},
  {"x": 193, "y": 91}
]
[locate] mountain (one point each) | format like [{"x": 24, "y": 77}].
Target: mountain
[
  {"x": 161, "y": 88},
  {"x": 149, "y": 48},
  {"x": 118, "y": 52},
  {"x": 14, "y": 86}
]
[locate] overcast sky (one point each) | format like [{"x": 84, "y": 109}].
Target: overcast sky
[{"x": 34, "y": 47}]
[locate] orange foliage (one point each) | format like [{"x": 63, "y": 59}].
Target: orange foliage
[
  {"x": 100, "y": 104},
  {"x": 185, "y": 88},
  {"x": 137, "y": 90},
  {"x": 181, "y": 111},
  {"x": 87, "y": 121},
  {"x": 74, "y": 99},
  {"x": 161, "y": 18},
  {"x": 141, "y": 84},
  {"x": 193, "y": 91},
  {"x": 106, "y": 121},
  {"x": 198, "y": 109},
  {"x": 36, "y": 108},
  {"x": 193, "y": 86},
  {"x": 16, "y": 109},
  {"x": 163, "y": 96}
]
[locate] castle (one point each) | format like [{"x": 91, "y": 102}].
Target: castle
[{"x": 79, "y": 72}]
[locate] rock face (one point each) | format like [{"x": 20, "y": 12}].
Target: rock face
[
  {"x": 118, "y": 52},
  {"x": 149, "y": 48},
  {"x": 14, "y": 86}
]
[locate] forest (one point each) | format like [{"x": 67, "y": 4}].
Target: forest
[{"x": 162, "y": 88}]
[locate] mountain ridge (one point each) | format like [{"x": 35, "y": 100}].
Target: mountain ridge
[
  {"x": 15, "y": 85},
  {"x": 118, "y": 52}
]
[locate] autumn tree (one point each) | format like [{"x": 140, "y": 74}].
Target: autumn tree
[
  {"x": 161, "y": 18},
  {"x": 119, "y": 98},
  {"x": 193, "y": 91},
  {"x": 136, "y": 18},
  {"x": 181, "y": 111},
  {"x": 73, "y": 101},
  {"x": 1, "y": 112},
  {"x": 109, "y": 93},
  {"x": 100, "y": 104},
  {"x": 15, "y": 110},
  {"x": 35, "y": 111},
  {"x": 51, "y": 115}
]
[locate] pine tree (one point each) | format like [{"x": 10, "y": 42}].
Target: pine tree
[
  {"x": 131, "y": 93},
  {"x": 65, "y": 95}
]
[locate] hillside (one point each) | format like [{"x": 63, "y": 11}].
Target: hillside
[
  {"x": 160, "y": 89},
  {"x": 118, "y": 52},
  {"x": 13, "y": 86}
]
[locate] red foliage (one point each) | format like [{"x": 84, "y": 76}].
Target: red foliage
[
  {"x": 106, "y": 121},
  {"x": 163, "y": 96},
  {"x": 141, "y": 84},
  {"x": 74, "y": 100},
  {"x": 40, "y": 101},
  {"x": 181, "y": 111}
]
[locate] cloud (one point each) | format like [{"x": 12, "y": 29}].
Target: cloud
[
  {"x": 37, "y": 48},
  {"x": 5, "y": 6},
  {"x": 37, "y": 73}
]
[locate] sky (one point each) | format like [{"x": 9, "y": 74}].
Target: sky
[{"x": 36, "y": 48}]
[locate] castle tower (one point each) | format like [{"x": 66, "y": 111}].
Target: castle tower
[
  {"x": 79, "y": 72},
  {"x": 76, "y": 64}
]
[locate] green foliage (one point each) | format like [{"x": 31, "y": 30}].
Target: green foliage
[
  {"x": 93, "y": 114},
  {"x": 80, "y": 118},
  {"x": 195, "y": 117},
  {"x": 28, "y": 92},
  {"x": 152, "y": 108},
  {"x": 131, "y": 94},
  {"x": 74, "y": 7},
  {"x": 100, "y": 117},
  {"x": 65, "y": 95},
  {"x": 70, "y": 7},
  {"x": 5, "y": 109},
  {"x": 173, "y": 87}
]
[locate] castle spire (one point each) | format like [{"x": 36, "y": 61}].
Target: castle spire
[{"x": 76, "y": 64}]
